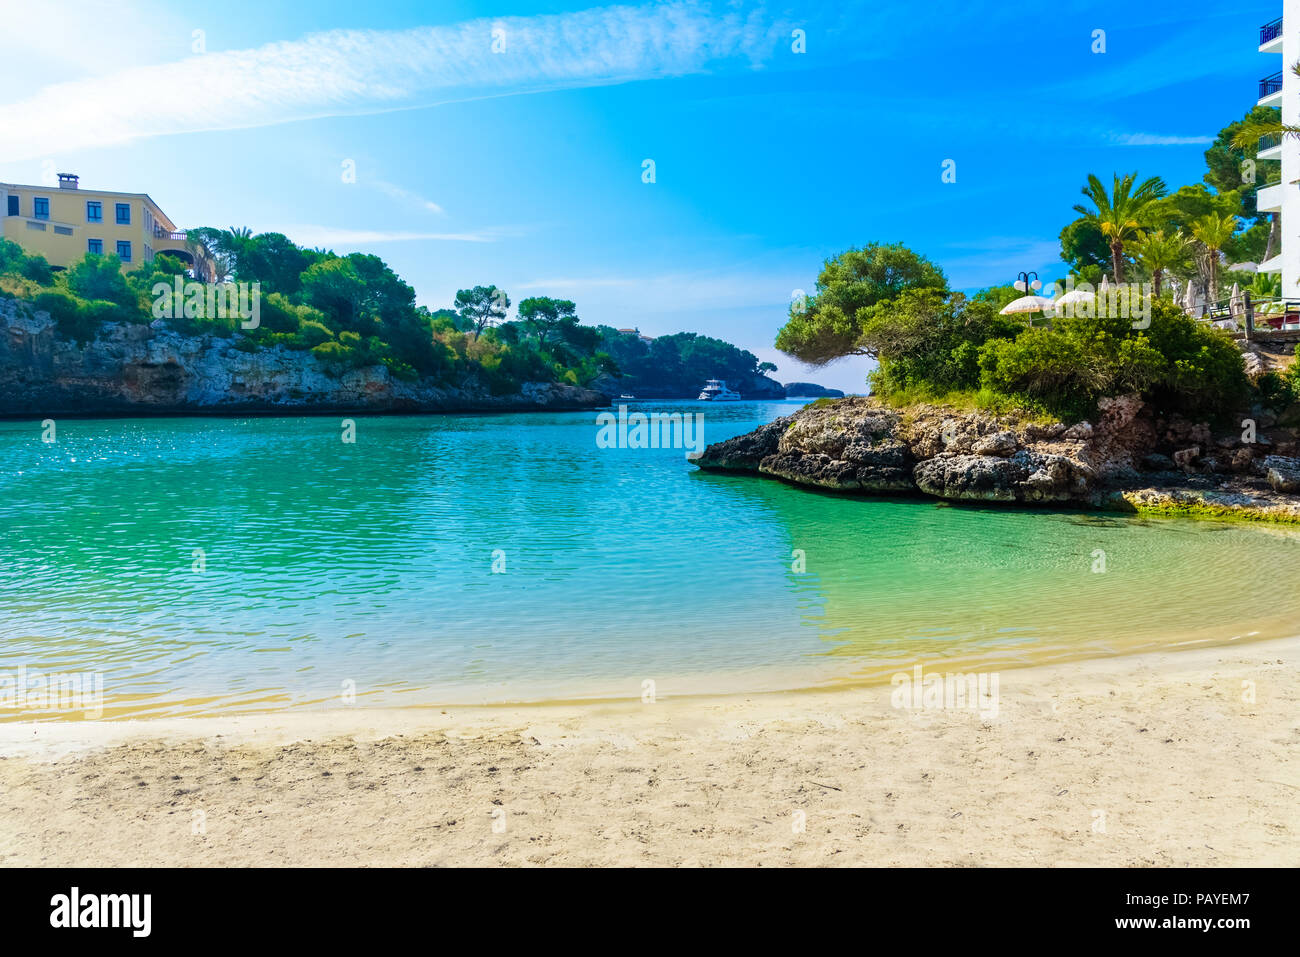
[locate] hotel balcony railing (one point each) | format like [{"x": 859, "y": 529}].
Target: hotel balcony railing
[
  {"x": 1268, "y": 142},
  {"x": 1270, "y": 31},
  {"x": 1270, "y": 85},
  {"x": 164, "y": 234}
]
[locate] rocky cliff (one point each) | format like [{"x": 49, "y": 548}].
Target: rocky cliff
[
  {"x": 1127, "y": 458},
  {"x": 138, "y": 369}
]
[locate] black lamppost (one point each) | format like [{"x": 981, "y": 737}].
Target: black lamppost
[{"x": 1024, "y": 284}]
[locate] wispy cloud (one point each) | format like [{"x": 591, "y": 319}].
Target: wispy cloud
[
  {"x": 1158, "y": 139},
  {"x": 1177, "y": 56},
  {"x": 311, "y": 235},
  {"x": 405, "y": 195},
  {"x": 366, "y": 71}
]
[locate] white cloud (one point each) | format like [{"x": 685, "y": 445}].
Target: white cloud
[
  {"x": 1158, "y": 139},
  {"x": 406, "y": 196},
  {"x": 311, "y": 236},
  {"x": 366, "y": 71}
]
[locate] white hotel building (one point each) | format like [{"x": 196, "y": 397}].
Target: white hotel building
[{"x": 1282, "y": 197}]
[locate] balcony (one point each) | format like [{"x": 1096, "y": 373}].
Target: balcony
[
  {"x": 1268, "y": 199},
  {"x": 1270, "y": 148},
  {"x": 177, "y": 243},
  {"x": 1270, "y": 37},
  {"x": 1270, "y": 90}
]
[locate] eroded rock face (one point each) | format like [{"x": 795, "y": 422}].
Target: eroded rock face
[
  {"x": 1282, "y": 473},
  {"x": 745, "y": 452},
  {"x": 859, "y": 445},
  {"x": 144, "y": 369},
  {"x": 1026, "y": 476}
]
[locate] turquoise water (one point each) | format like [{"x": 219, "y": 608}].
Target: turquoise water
[{"x": 372, "y": 563}]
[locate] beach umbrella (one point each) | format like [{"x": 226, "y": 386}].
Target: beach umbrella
[
  {"x": 1236, "y": 304},
  {"x": 1027, "y": 304},
  {"x": 1074, "y": 296}
]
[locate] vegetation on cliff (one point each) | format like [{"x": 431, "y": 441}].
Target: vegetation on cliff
[
  {"x": 886, "y": 302},
  {"x": 354, "y": 311}
]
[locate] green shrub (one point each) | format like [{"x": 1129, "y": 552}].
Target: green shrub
[
  {"x": 12, "y": 257},
  {"x": 1288, "y": 385},
  {"x": 1205, "y": 372},
  {"x": 1177, "y": 364},
  {"x": 400, "y": 370},
  {"x": 929, "y": 340},
  {"x": 333, "y": 353},
  {"x": 99, "y": 277},
  {"x": 37, "y": 269},
  {"x": 99, "y": 311},
  {"x": 313, "y": 333},
  {"x": 71, "y": 318}
]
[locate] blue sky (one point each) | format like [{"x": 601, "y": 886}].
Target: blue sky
[{"x": 524, "y": 167}]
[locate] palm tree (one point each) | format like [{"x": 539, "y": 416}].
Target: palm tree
[
  {"x": 1266, "y": 286},
  {"x": 1160, "y": 253},
  {"x": 232, "y": 245},
  {"x": 1119, "y": 214},
  {"x": 225, "y": 246},
  {"x": 1213, "y": 231}
]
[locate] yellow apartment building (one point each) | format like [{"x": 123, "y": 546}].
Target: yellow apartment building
[{"x": 66, "y": 222}]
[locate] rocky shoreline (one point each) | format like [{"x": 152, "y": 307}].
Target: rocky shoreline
[
  {"x": 152, "y": 370},
  {"x": 1129, "y": 459}
]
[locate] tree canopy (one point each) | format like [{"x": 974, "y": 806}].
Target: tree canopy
[{"x": 829, "y": 324}]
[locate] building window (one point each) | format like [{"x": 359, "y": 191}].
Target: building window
[
  {"x": 123, "y": 214},
  {"x": 34, "y": 225},
  {"x": 95, "y": 246},
  {"x": 63, "y": 230},
  {"x": 13, "y": 205},
  {"x": 40, "y": 207},
  {"x": 94, "y": 212},
  {"x": 124, "y": 251}
]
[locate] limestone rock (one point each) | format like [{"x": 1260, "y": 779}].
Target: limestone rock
[
  {"x": 861, "y": 446},
  {"x": 144, "y": 369},
  {"x": 745, "y": 452}
]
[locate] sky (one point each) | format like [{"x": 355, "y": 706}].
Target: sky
[{"x": 506, "y": 142}]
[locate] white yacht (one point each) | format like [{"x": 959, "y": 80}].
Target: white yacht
[{"x": 715, "y": 390}]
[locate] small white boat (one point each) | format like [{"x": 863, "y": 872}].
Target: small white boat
[
  {"x": 626, "y": 398},
  {"x": 715, "y": 390}
]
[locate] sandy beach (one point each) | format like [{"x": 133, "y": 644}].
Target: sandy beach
[{"x": 1155, "y": 759}]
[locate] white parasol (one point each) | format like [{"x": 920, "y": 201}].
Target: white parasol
[{"x": 1027, "y": 304}]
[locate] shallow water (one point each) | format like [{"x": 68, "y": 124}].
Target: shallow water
[{"x": 332, "y": 568}]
